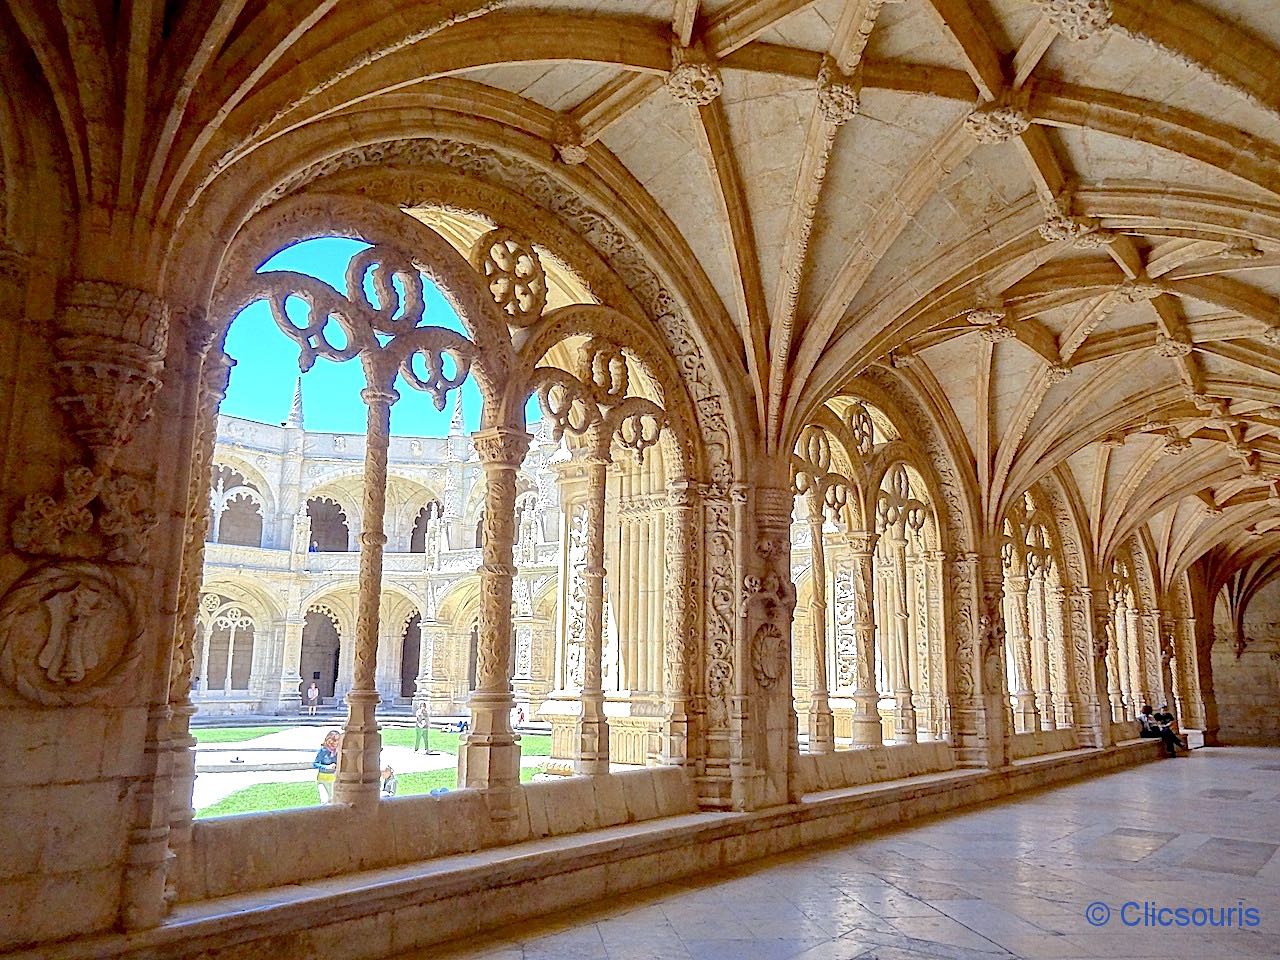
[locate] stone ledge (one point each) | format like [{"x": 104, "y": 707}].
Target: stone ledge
[{"x": 374, "y": 913}]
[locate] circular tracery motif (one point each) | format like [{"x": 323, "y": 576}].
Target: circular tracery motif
[
  {"x": 514, "y": 274},
  {"x": 68, "y": 634},
  {"x": 863, "y": 430}
]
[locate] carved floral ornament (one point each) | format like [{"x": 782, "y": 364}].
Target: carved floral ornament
[
  {"x": 595, "y": 403},
  {"x": 514, "y": 274},
  {"x": 110, "y": 350},
  {"x": 692, "y": 79},
  {"x": 69, "y": 634}
]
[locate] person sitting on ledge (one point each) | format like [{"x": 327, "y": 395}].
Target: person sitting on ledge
[
  {"x": 1152, "y": 730},
  {"x": 1167, "y": 721}
]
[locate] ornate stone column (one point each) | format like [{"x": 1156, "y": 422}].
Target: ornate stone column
[
  {"x": 1103, "y": 704},
  {"x": 980, "y": 727},
  {"x": 904, "y": 713},
  {"x": 678, "y": 614},
  {"x": 1028, "y": 714},
  {"x": 360, "y": 752},
  {"x": 592, "y": 733},
  {"x": 867, "y": 731},
  {"x": 192, "y": 620},
  {"x": 1191, "y": 714},
  {"x": 1041, "y": 661},
  {"x": 822, "y": 735},
  {"x": 290, "y": 698},
  {"x": 1115, "y": 675},
  {"x": 1089, "y": 622},
  {"x": 489, "y": 756},
  {"x": 1066, "y": 689}
]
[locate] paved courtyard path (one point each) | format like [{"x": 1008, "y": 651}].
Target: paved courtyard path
[{"x": 1013, "y": 879}]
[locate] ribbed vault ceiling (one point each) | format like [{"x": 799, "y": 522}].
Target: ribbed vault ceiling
[{"x": 1057, "y": 219}]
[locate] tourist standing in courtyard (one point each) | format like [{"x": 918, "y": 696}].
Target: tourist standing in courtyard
[
  {"x": 326, "y": 764},
  {"x": 422, "y": 722},
  {"x": 313, "y": 698}
]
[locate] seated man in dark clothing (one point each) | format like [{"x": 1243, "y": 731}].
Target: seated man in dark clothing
[
  {"x": 1152, "y": 729},
  {"x": 1167, "y": 722}
]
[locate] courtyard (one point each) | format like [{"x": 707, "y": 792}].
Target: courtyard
[{"x": 253, "y": 769}]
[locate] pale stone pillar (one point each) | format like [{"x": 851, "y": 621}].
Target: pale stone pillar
[
  {"x": 1191, "y": 714},
  {"x": 290, "y": 697},
  {"x": 592, "y": 733},
  {"x": 360, "y": 752},
  {"x": 867, "y": 731},
  {"x": 822, "y": 736},
  {"x": 1132, "y": 667},
  {"x": 1061, "y": 644},
  {"x": 192, "y": 616},
  {"x": 206, "y": 635},
  {"x": 1103, "y": 704},
  {"x": 489, "y": 756},
  {"x": 980, "y": 717},
  {"x": 1092, "y": 708},
  {"x": 678, "y": 614},
  {"x": 904, "y": 714},
  {"x": 1028, "y": 715},
  {"x": 1042, "y": 660},
  {"x": 1115, "y": 673}
]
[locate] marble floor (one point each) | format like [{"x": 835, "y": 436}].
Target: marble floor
[{"x": 1013, "y": 879}]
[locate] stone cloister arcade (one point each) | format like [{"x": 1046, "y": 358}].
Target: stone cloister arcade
[{"x": 910, "y": 417}]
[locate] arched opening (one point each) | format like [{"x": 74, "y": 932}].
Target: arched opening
[
  {"x": 410, "y": 650},
  {"x": 330, "y": 532},
  {"x": 241, "y": 521},
  {"x": 321, "y": 648},
  {"x": 236, "y": 509},
  {"x": 423, "y": 524}
]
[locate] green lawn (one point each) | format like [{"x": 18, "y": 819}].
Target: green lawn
[
  {"x": 285, "y": 796},
  {"x": 531, "y": 745},
  {"x": 231, "y": 734}
]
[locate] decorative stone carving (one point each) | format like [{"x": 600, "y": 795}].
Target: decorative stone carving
[
  {"x": 601, "y": 233},
  {"x": 1168, "y": 346},
  {"x": 1138, "y": 291},
  {"x": 997, "y": 332},
  {"x": 1055, "y": 373},
  {"x": 110, "y": 350},
  {"x": 1175, "y": 445},
  {"x": 838, "y": 93},
  {"x": 1077, "y": 19},
  {"x": 768, "y": 654},
  {"x": 693, "y": 81},
  {"x": 566, "y": 136},
  {"x": 997, "y": 122},
  {"x": 514, "y": 274},
  {"x": 69, "y": 634},
  {"x": 989, "y": 312}
]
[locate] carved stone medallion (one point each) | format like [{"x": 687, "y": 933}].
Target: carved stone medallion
[
  {"x": 68, "y": 634},
  {"x": 768, "y": 654}
]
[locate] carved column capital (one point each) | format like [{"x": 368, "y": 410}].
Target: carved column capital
[{"x": 501, "y": 447}]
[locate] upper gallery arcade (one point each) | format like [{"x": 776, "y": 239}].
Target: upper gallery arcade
[{"x": 909, "y": 376}]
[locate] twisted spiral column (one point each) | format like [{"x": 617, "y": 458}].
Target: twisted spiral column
[
  {"x": 867, "y": 731},
  {"x": 592, "y": 729},
  {"x": 360, "y": 753},
  {"x": 822, "y": 731},
  {"x": 489, "y": 756}
]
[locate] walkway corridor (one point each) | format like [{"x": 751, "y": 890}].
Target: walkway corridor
[{"x": 1008, "y": 880}]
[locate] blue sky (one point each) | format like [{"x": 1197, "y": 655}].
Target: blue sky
[{"x": 262, "y": 381}]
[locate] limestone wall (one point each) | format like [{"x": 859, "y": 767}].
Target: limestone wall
[
  {"x": 1248, "y": 687},
  {"x": 851, "y": 768},
  {"x": 258, "y": 850}
]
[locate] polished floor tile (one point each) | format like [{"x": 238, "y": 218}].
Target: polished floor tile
[{"x": 1007, "y": 880}]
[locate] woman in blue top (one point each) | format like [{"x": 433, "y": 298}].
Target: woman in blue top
[{"x": 326, "y": 764}]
